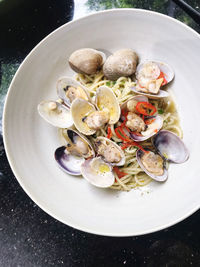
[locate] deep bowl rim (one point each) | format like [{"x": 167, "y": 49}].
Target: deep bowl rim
[{"x": 6, "y": 143}]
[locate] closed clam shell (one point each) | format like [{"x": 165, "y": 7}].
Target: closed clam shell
[
  {"x": 55, "y": 113},
  {"x": 86, "y": 60},
  {"x": 80, "y": 109},
  {"x": 122, "y": 63},
  {"x": 63, "y": 85},
  {"x": 97, "y": 172},
  {"x": 106, "y": 100},
  {"x": 159, "y": 178},
  {"x": 105, "y": 141}
]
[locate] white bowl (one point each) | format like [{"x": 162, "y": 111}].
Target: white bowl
[{"x": 30, "y": 142}]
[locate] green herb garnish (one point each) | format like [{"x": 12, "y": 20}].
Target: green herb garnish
[
  {"x": 108, "y": 83},
  {"x": 160, "y": 111}
]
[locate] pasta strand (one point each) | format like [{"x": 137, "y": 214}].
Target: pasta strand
[{"x": 135, "y": 176}]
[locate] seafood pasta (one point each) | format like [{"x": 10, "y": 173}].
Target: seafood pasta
[
  {"x": 131, "y": 175},
  {"x": 119, "y": 127}
]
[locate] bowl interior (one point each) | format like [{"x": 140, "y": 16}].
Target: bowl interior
[{"x": 31, "y": 142}]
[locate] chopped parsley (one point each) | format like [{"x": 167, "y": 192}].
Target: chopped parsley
[
  {"x": 108, "y": 83},
  {"x": 160, "y": 111},
  {"x": 112, "y": 83}
]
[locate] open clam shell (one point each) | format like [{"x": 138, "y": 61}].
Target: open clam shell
[
  {"x": 138, "y": 98},
  {"x": 161, "y": 94},
  {"x": 162, "y": 67},
  {"x": 170, "y": 146},
  {"x": 64, "y": 86},
  {"x": 55, "y": 113},
  {"x": 68, "y": 163},
  {"x": 109, "y": 150},
  {"x": 159, "y": 178},
  {"x": 77, "y": 143},
  {"x": 152, "y": 129},
  {"x": 80, "y": 109},
  {"x": 97, "y": 172},
  {"x": 106, "y": 100}
]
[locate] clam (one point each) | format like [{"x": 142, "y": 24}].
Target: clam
[
  {"x": 151, "y": 75},
  {"x": 69, "y": 89},
  {"x": 72, "y": 155},
  {"x": 86, "y": 118},
  {"x": 107, "y": 101},
  {"x": 152, "y": 164},
  {"x": 80, "y": 109},
  {"x": 68, "y": 163},
  {"x": 122, "y": 63},
  {"x": 160, "y": 67},
  {"x": 161, "y": 94},
  {"x": 97, "y": 172},
  {"x": 170, "y": 146},
  {"x": 77, "y": 144},
  {"x": 86, "y": 60},
  {"x": 109, "y": 151},
  {"x": 55, "y": 113},
  {"x": 145, "y": 131},
  {"x": 152, "y": 129},
  {"x": 130, "y": 104}
]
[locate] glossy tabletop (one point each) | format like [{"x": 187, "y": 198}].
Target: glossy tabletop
[{"x": 29, "y": 236}]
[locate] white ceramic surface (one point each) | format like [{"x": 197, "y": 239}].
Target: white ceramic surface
[{"x": 30, "y": 142}]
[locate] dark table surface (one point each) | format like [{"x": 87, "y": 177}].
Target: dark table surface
[{"x": 29, "y": 236}]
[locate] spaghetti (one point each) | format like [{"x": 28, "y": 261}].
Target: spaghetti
[{"x": 133, "y": 176}]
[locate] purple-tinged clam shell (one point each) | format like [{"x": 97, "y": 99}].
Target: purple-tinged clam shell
[
  {"x": 159, "y": 178},
  {"x": 68, "y": 163},
  {"x": 77, "y": 143},
  {"x": 152, "y": 129},
  {"x": 170, "y": 146}
]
